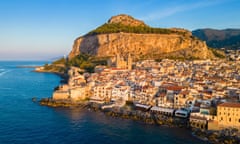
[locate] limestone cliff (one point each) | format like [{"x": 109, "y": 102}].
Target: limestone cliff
[
  {"x": 142, "y": 42},
  {"x": 125, "y": 20}
]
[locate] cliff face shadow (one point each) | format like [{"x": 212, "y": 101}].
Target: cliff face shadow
[{"x": 89, "y": 45}]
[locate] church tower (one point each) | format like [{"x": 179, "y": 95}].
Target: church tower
[
  {"x": 118, "y": 61},
  {"x": 129, "y": 62}
]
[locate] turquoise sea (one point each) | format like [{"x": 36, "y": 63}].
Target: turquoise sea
[{"x": 25, "y": 122}]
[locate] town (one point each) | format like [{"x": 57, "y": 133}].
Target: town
[{"x": 206, "y": 92}]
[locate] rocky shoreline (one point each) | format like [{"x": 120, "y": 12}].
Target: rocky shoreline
[
  {"x": 226, "y": 136},
  {"x": 63, "y": 76},
  {"x": 126, "y": 112}
]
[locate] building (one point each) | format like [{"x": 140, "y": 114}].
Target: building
[
  {"x": 124, "y": 63},
  {"x": 102, "y": 92},
  {"x": 121, "y": 62},
  {"x": 120, "y": 92},
  {"x": 183, "y": 99},
  {"x": 61, "y": 93},
  {"x": 79, "y": 93},
  {"x": 198, "y": 120},
  {"x": 228, "y": 114}
]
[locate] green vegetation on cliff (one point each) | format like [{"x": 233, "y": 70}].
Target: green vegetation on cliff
[
  {"x": 218, "y": 53},
  {"x": 117, "y": 27},
  {"x": 58, "y": 66},
  {"x": 82, "y": 61},
  {"x": 60, "y": 61},
  {"x": 54, "y": 68}
]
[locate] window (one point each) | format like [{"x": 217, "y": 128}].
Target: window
[
  {"x": 239, "y": 120},
  {"x": 222, "y": 118},
  {"x": 229, "y": 119}
]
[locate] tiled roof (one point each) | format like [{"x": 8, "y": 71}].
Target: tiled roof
[
  {"x": 184, "y": 92},
  {"x": 174, "y": 88},
  {"x": 230, "y": 104}
]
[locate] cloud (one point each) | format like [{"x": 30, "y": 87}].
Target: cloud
[{"x": 157, "y": 15}]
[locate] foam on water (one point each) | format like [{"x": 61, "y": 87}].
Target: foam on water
[{"x": 4, "y": 72}]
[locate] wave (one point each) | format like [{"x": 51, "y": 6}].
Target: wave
[
  {"x": 4, "y": 72},
  {"x": 5, "y": 88}
]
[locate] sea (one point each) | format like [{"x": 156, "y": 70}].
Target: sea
[{"x": 23, "y": 121}]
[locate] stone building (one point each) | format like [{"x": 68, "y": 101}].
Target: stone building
[
  {"x": 228, "y": 114},
  {"x": 62, "y": 93},
  {"x": 79, "y": 93},
  {"x": 121, "y": 62}
]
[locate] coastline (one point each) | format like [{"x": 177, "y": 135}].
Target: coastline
[
  {"x": 128, "y": 112},
  {"x": 63, "y": 76}
]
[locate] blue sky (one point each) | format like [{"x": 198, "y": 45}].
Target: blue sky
[{"x": 45, "y": 29}]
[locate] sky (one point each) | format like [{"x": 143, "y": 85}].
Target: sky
[{"x": 46, "y": 29}]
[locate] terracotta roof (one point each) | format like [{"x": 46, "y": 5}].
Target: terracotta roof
[
  {"x": 118, "y": 69},
  {"x": 184, "y": 92},
  {"x": 230, "y": 104},
  {"x": 174, "y": 88}
]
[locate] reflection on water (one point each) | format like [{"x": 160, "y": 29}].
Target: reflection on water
[
  {"x": 72, "y": 113},
  {"x": 117, "y": 130}
]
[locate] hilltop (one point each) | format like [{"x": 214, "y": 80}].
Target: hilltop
[{"x": 123, "y": 34}]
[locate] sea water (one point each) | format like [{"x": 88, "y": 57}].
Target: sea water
[{"x": 23, "y": 121}]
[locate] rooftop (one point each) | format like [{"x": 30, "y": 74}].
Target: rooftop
[{"x": 230, "y": 104}]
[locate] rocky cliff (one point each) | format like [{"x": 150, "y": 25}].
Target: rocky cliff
[
  {"x": 125, "y": 20},
  {"x": 123, "y": 34}
]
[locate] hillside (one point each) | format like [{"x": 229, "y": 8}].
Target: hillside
[
  {"x": 227, "y": 38},
  {"x": 123, "y": 34},
  {"x": 127, "y": 24}
]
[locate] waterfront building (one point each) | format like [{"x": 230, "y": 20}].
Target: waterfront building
[
  {"x": 228, "y": 114},
  {"x": 79, "y": 93},
  {"x": 60, "y": 95},
  {"x": 199, "y": 85},
  {"x": 102, "y": 91},
  {"x": 120, "y": 92},
  {"x": 61, "y": 92}
]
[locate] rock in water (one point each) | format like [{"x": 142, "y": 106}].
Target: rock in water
[{"x": 34, "y": 99}]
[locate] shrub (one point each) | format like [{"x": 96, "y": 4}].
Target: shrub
[{"x": 116, "y": 28}]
